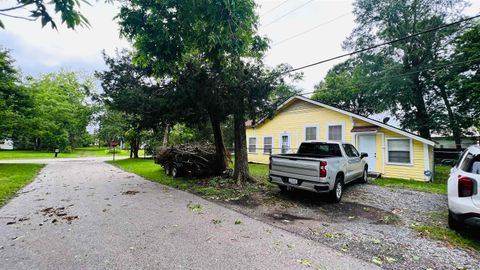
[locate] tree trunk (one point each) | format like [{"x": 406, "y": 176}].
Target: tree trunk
[
  {"x": 421, "y": 113},
  {"x": 451, "y": 118},
  {"x": 166, "y": 136},
  {"x": 241, "y": 173},
  {"x": 131, "y": 148},
  {"x": 134, "y": 147},
  {"x": 220, "y": 150}
]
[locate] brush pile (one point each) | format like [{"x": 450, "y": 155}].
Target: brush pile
[{"x": 187, "y": 160}]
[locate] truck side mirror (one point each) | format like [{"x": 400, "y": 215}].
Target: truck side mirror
[{"x": 363, "y": 155}]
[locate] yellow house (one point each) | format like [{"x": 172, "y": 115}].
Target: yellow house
[{"x": 392, "y": 152}]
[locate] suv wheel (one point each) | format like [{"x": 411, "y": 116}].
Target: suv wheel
[
  {"x": 337, "y": 192},
  {"x": 453, "y": 221}
]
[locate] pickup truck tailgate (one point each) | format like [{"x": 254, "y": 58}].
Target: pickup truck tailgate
[{"x": 295, "y": 167}]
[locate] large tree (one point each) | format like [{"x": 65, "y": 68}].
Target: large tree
[
  {"x": 355, "y": 86},
  {"x": 128, "y": 88},
  {"x": 415, "y": 103},
  {"x": 15, "y": 103},
  {"x": 458, "y": 84},
  {"x": 59, "y": 115},
  {"x": 171, "y": 36}
]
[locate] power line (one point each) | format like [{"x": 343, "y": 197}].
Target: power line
[
  {"x": 384, "y": 78},
  {"x": 277, "y": 6},
  {"x": 383, "y": 44},
  {"x": 288, "y": 13},
  {"x": 311, "y": 29}
]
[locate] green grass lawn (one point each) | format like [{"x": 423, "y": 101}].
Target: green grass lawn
[
  {"x": 439, "y": 186},
  {"x": 78, "y": 152},
  {"x": 14, "y": 176},
  {"x": 449, "y": 236},
  {"x": 212, "y": 187}
]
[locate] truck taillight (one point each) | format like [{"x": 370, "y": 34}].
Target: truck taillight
[
  {"x": 270, "y": 163},
  {"x": 465, "y": 186},
  {"x": 323, "y": 171}
]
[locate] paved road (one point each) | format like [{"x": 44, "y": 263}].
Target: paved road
[{"x": 117, "y": 228}]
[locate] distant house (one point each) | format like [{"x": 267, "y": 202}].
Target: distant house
[
  {"x": 442, "y": 142},
  {"x": 392, "y": 152},
  {"x": 6, "y": 144}
]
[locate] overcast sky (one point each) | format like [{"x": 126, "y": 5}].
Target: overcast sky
[{"x": 38, "y": 50}]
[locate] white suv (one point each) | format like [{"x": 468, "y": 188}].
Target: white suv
[{"x": 463, "y": 194}]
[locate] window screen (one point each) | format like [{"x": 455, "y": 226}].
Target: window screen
[
  {"x": 310, "y": 133},
  {"x": 399, "y": 151},
  {"x": 267, "y": 145},
  {"x": 335, "y": 133},
  {"x": 252, "y": 145},
  {"x": 285, "y": 144}
]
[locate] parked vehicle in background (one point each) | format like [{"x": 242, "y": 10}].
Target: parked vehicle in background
[
  {"x": 322, "y": 167},
  {"x": 463, "y": 195}
]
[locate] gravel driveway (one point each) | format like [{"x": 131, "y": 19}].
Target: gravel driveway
[
  {"x": 372, "y": 223},
  {"x": 85, "y": 214}
]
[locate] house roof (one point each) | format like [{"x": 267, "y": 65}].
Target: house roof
[{"x": 360, "y": 117}]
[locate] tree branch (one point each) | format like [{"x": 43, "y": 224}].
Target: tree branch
[
  {"x": 17, "y": 17},
  {"x": 13, "y": 8}
]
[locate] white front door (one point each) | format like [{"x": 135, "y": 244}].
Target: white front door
[{"x": 367, "y": 144}]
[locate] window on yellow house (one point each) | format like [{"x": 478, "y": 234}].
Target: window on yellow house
[
  {"x": 267, "y": 145},
  {"x": 399, "y": 151},
  {"x": 335, "y": 133},
  {"x": 252, "y": 145}
]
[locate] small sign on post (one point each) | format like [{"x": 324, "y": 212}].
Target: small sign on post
[
  {"x": 114, "y": 144},
  {"x": 56, "y": 152}
]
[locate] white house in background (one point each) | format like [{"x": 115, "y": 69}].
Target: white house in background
[{"x": 6, "y": 144}]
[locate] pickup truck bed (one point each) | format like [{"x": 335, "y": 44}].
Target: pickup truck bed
[
  {"x": 305, "y": 170},
  {"x": 319, "y": 167}
]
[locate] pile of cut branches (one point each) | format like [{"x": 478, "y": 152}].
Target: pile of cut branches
[{"x": 188, "y": 160}]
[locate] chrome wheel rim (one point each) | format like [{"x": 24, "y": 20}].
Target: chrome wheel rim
[{"x": 338, "y": 191}]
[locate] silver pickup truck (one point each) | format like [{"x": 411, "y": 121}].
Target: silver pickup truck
[{"x": 323, "y": 167}]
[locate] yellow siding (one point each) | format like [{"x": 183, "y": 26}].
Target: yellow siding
[
  {"x": 414, "y": 171},
  {"x": 293, "y": 118}
]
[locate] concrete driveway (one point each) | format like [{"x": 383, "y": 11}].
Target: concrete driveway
[{"x": 86, "y": 214}]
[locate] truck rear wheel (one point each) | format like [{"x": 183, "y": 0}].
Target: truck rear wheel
[
  {"x": 168, "y": 170},
  {"x": 283, "y": 189},
  {"x": 175, "y": 171},
  {"x": 337, "y": 192}
]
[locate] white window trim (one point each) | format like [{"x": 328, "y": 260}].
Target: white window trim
[
  {"x": 305, "y": 132},
  {"x": 411, "y": 151},
  {"x": 289, "y": 141},
  {"x": 263, "y": 141},
  {"x": 336, "y": 124},
  {"x": 248, "y": 144}
]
